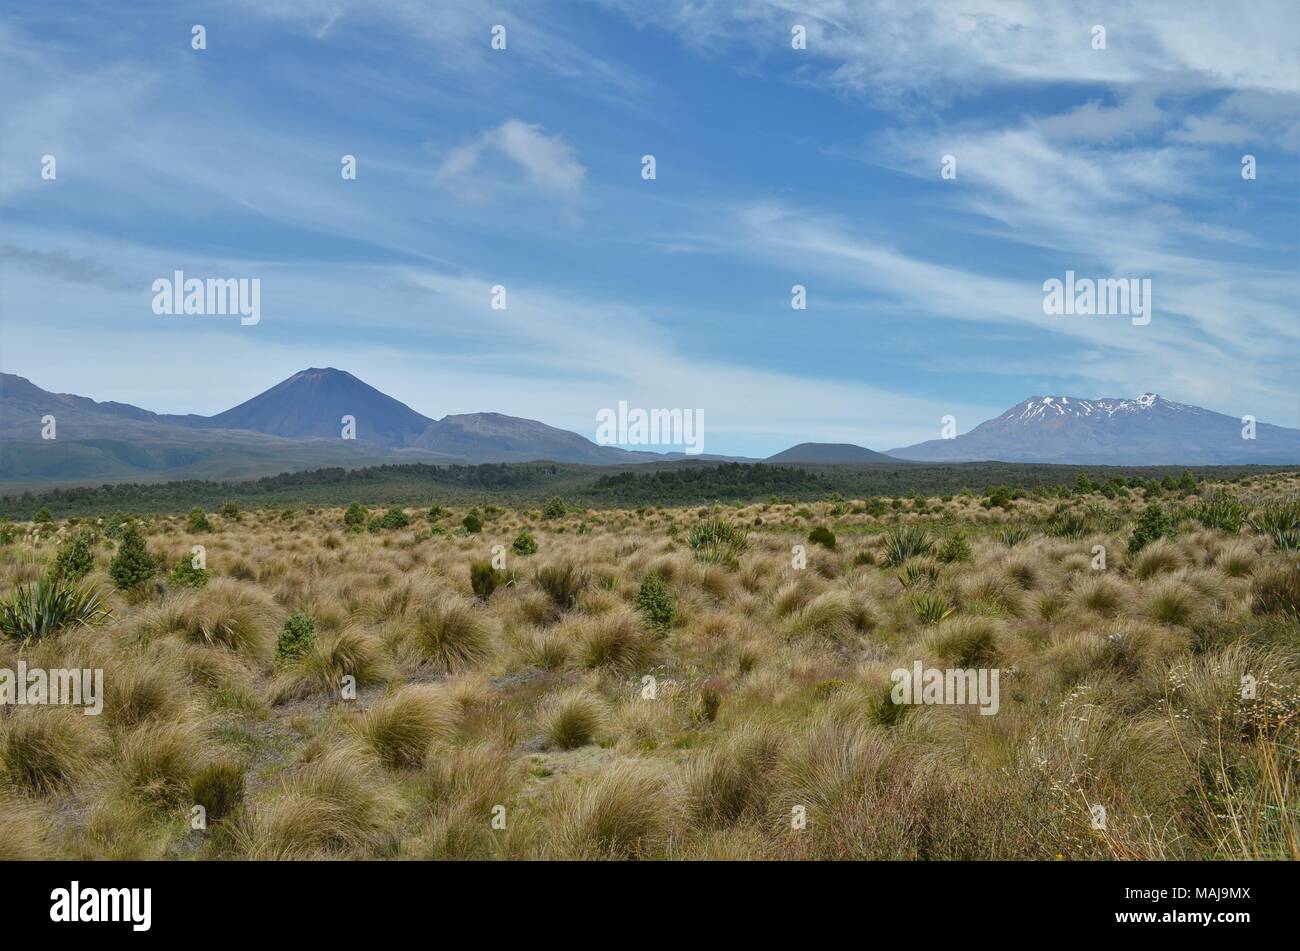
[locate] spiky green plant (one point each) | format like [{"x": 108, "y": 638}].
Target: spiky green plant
[
  {"x": 1279, "y": 521},
  {"x": 37, "y": 610},
  {"x": 1220, "y": 510},
  {"x": 1011, "y": 537},
  {"x": 904, "y": 542},
  {"x": 930, "y": 607},
  {"x": 717, "y": 542}
]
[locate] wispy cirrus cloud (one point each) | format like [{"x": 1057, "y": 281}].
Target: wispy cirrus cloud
[{"x": 548, "y": 162}]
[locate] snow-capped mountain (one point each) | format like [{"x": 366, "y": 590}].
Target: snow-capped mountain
[{"x": 1144, "y": 430}]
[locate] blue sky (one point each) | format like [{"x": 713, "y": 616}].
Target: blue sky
[{"x": 775, "y": 167}]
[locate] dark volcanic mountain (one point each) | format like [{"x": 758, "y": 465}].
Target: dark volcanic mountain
[
  {"x": 828, "y": 452},
  {"x": 313, "y": 403},
  {"x": 1148, "y": 430}
]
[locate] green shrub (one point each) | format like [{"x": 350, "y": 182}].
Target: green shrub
[
  {"x": 40, "y": 609},
  {"x": 287, "y": 515},
  {"x": 954, "y": 548},
  {"x": 473, "y": 524},
  {"x": 76, "y": 557},
  {"x": 198, "y": 520},
  {"x": 555, "y": 508},
  {"x": 656, "y": 603},
  {"x": 230, "y": 510},
  {"x": 394, "y": 518},
  {"x": 435, "y": 512},
  {"x": 822, "y": 536},
  {"x": 1154, "y": 522},
  {"x": 296, "y": 638},
  {"x": 524, "y": 544},
  {"x": 132, "y": 566},
  {"x": 43, "y": 516},
  {"x": 355, "y": 516},
  {"x": 185, "y": 575}
]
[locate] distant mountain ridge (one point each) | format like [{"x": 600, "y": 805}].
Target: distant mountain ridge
[
  {"x": 828, "y": 453},
  {"x": 298, "y": 423},
  {"x": 1144, "y": 430}
]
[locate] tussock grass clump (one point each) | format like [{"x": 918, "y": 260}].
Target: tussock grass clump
[
  {"x": 826, "y": 770},
  {"x": 464, "y": 787},
  {"x": 27, "y": 831},
  {"x": 219, "y": 789},
  {"x": 616, "y": 641},
  {"x": 736, "y": 778},
  {"x": 47, "y": 749},
  {"x": 1237, "y": 560},
  {"x": 1100, "y": 593},
  {"x": 573, "y": 718},
  {"x": 1170, "y": 601},
  {"x": 997, "y": 592},
  {"x": 832, "y": 614},
  {"x": 226, "y": 613},
  {"x": 450, "y": 634},
  {"x": 334, "y": 806},
  {"x": 347, "y": 653},
  {"x": 546, "y": 648},
  {"x": 142, "y": 688},
  {"x": 562, "y": 584},
  {"x": 965, "y": 641},
  {"x": 1277, "y": 591},
  {"x": 1156, "y": 558},
  {"x": 401, "y": 727},
  {"x": 157, "y": 762},
  {"x": 625, "y": 811}
]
